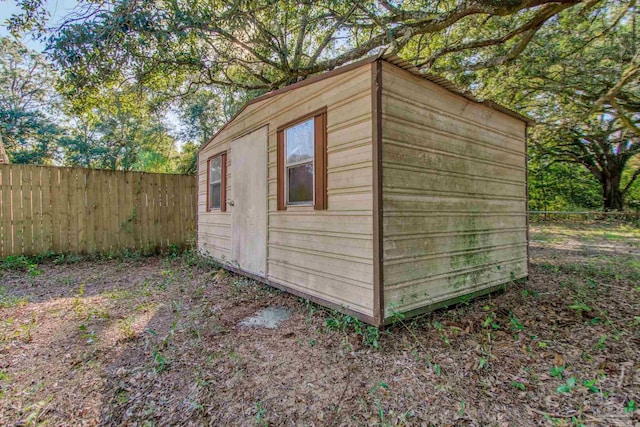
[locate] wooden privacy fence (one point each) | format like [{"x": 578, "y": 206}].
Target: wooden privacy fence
[{"x": 51, "y": 209}]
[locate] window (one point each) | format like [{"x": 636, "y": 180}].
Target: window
[
  {"x": 299, "y": 150},
  {"x": 302, "y": 163},
  {"x": 216, "y": 178}
]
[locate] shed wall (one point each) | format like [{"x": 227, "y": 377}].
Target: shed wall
[
  {"x": 454, "y": 194},
  {"x": 327, "y": 254}
]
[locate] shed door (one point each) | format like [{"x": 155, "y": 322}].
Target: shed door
[{"x": 249, "y": 195}]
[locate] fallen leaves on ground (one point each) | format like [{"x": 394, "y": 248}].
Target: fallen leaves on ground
[{"x": 154, "y": 341}]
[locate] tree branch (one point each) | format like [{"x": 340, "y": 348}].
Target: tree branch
[
  {"x": 635, "y": 175},
  {"x": 534, "y": 24}
]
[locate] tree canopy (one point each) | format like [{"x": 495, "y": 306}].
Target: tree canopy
[
  {"x": 117, "y": 128},
  {"x": 571, "y": 65},
  {"x": 580, "y": 80},
  {"x": 27, "y": 104},
  {"x": 265, "y": 44}
]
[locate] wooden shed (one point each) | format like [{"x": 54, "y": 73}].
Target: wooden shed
[{"x": 372, "y": 188}]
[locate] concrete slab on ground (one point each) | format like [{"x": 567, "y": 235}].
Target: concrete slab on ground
[{"x": 269, "y": 317}]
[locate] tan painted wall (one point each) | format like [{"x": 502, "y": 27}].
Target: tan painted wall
[
  {"x": 328, "y": 254},
  {"x": 454, "y": 194}
]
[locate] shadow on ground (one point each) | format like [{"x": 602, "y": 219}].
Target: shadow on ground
[{"x": 154, "y": 341}]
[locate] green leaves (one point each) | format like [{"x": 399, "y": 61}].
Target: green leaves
[
  {"x": 28, "y": 105},
  {"x": 514, "y": 323},
  {"x": 264, "y": 44},
  {"x": 571, "y": 383},
  {"x": 568, "y": 386},
  {"x": 591, "y": 385},
  {"x": 518, "y": 385},
  {"x": 577, "y": 78},
  {"x": 557, "y": 371},
  {"x": 114, "y": 128}
]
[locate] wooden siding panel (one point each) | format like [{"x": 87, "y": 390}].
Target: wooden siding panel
[
  {"x": 358, "y": 224},
  {"x": 325, "y": 253},
  {"x": 438, "y": 288},
  {"x": 323, "y": 284},
  {"x": 451, "y": 263},
  {"x": 401, "y": 224},
  {"x": 344, "y": 201},
  {"x": 448, "y": 104},
  {"x": 418, "y": 245},
  {"x": 412, "y": 179},
  {"x": 397, "y": 153},
  {"x": 427, "y": 138},
  {"x": 210, "y": 239},
  {"x": 353, "y": 269},
  {"x": 340, "y": 245},
  {"x": 454, "y": 194},
  {"x": 449, "y": 203}
]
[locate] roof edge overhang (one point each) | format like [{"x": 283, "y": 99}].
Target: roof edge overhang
[{"x": 392, "y": 59}]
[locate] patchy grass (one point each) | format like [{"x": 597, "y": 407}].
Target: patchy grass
[
  {"x": 620, "y": 235},
  {"x": 156, "y": 341}
]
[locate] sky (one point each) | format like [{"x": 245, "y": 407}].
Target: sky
[{"x": 56, "y": 8}]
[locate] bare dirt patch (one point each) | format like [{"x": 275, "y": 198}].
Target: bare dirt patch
[{"x": 155, "y": 341}]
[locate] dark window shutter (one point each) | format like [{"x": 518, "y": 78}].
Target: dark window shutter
[
  {"x": 280, "y": 174},
  {"x": 208, "y": 185},
  {"x": 223, "y": 182},
  {"x": 320, "y": 161}
]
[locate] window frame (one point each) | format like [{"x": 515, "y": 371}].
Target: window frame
[
  {"x": 288, "y": 166},
  {"x": 319, "y": 160},
  {"x": 223, "y": 182}
]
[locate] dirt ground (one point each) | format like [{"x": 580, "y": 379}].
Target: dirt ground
[{"x": 157, "y": 341}]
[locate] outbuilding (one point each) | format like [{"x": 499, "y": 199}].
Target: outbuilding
[{"x": 373, "y": 189}]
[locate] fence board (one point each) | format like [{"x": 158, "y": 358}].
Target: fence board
[
  {"x": 98, "y": 189},
  {"x": 27, "y": 211},
  {"x": 89, "y": 209},
  {"x": 114, "y": 226},
  {"x": 109, "y": 244},
  {"x": 58, "y": 201},
  {"x": 147, "y": 238},
  {"x": 36, "y": 211},
  {"x": 173, "y": 212},
  {"x": 156, "y": 192},
  {"x": 177, "y": 211},
  {"x": 127, "y": 223},
  {"x": 135, "y": 211},
  {"x": 79, "y": 207},
  {"x": 6, "y": 228},
  {"x": 114, "y": 220},
  {"x": 54, "y": 209},
  {"x": 164, "y": 209},
  {"x": 74, "y": 205},
  {"x": 47, "y": 215},
  {"x": 18, "y": 213}
]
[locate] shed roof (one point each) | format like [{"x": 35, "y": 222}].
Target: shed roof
[{"x": 394, "y": 60}]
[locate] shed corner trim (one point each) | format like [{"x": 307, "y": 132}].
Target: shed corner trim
[{"x": 376, "y": 119}]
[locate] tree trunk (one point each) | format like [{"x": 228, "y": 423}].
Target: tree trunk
[{"x": 611, "y": 192}]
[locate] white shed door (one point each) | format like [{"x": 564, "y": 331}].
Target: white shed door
[{"x": 249, "y": 195}]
